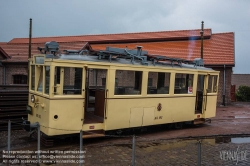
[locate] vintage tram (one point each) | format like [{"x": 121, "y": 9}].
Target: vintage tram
[{"x": 116, "y": 89}]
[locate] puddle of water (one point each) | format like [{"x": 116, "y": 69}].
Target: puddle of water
[
  {"x": 166, "y": 146},
  {"x": 222, "y": 140},
  {"x": 241, "y": 117},
  {"x": 238, "y": 117},
  {"x": 183, "y": 143},
  {"x": 173, "y": 145},
  {"x": 240, "y": 140}
]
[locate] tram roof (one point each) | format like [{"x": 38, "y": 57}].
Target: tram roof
[{"x": 94, "y": 58}]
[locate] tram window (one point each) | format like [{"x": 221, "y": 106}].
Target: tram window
[
  {"x": 183, "y": 83},
  {"x": 97, "y": 78},
  {"x": 116, "y": 81},
  {"x": 200, "y": 83},
  {"x": 47, "y": 79},
  {"x": 158, "y": 83},
  {"x": 72, "y": 81},
  {"x": 96, "y": 84},
  {"x": 150, "y": 82},
  {"x": 103, "y": 81},
  {"x": 40, "y": 81},
  {"x": 215, "y": 84},
  {"x": 32, "y": 77},
  {"x": 212, "y": 84},
  {"x": 128, "y": 82},
  {"x": 57, "y": 76}
]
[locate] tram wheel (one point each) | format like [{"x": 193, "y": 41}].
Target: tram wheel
[
  {"x": 178, "y": 125},
  {"x": 170, "y": 126},
  {"x": 119, "y": 132}
]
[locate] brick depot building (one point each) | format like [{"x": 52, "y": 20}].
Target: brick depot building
[
  {"x": 241, "y": 79},
  {"x": 219, "y": 51}
]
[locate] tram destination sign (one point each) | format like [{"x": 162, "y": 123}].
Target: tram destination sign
[{"x": 39, "y": 60}]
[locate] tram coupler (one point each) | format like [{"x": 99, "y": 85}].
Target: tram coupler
[{"x": 27, "y": 126}]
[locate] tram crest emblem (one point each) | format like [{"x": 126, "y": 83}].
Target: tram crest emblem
[{"x": 159, "y": 107}]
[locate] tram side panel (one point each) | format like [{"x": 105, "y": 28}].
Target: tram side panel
[
  {"x": 210, "y": 107},
  {"x": 128, "y": 113},
  {"x": 65, "y": 116},
  {"x": 57, "y": 117},
  {"x": 211, "y": 98},
  {"x": 39, "y": 112},
  {"x": 182, "y": 108}
]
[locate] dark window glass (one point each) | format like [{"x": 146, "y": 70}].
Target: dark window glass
[
  {"x": 57, "y": 76},
  {"x": 97, "y": 78},
  {"x": 72, "y": 81},
  {"x": 183, "y": 83},
  {"x": 19, "y": 79},
  {"x": 212, "y": 84},
  {"x": 33, "y": 77},
  {"x": 40, "y": 81},
  {"x": 150, "y": 82},
  {"x": 103, "y": 81},
  {"x": 47, "y": 79},
  {"x": 158, "y": 83},
  {"x": 128, "y": 82},
  {"x": 200, "y": 83},
  {"x": 68, "y": 81}
]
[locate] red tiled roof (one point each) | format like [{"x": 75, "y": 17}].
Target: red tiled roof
[
  {"x": 2, "y": 52},
  {"x": 19, "y": 52},
  {"x": 104, "y": 38},
  {"x": 218, "y": 48}
]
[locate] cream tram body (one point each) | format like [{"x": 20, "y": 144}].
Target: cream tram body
[{"x": 79, "y": 92}]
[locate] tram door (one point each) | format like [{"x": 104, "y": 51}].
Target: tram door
[
  {"x": 200, "y": 94},
  {"x": 95, "y": 94}
]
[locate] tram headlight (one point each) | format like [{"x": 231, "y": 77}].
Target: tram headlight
[{"x": 32, "y": 98}]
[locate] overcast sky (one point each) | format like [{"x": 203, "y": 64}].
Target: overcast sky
[{"x": 81, "y": 17}]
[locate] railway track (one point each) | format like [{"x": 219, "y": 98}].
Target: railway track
[{"x": 13, "y": 102}]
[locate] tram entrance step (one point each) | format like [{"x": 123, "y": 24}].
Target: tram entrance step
[
  {"x": 199, "y": 121},
  {"x": 93, "y": 134}
]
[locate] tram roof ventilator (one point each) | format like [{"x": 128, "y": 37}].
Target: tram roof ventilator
[
  {"x": 49, "y": 47},
  {"x": 112, "y": 53}
]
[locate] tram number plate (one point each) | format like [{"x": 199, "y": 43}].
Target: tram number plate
[
  {"x": 158, "y": 117},
  {"x": 37, "y": 115},
  {"x": 91, "y": 127}
]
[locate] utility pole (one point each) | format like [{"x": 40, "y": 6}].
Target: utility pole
[
  {"x": 30, "y": 36},
  {"x": 202, "y": 37},
  {"x": 29, "y": 56}
]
